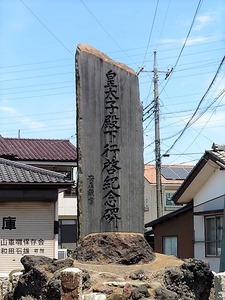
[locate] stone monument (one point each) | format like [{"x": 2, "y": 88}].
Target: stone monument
[{"x": 109, "y": 145}]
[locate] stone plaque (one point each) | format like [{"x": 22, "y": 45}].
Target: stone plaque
[{"x": 109, "y": 145}]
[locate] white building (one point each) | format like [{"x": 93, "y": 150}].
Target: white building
[
  {"x": 172, "y": 176},
  {"x": 206, "y": 187}
]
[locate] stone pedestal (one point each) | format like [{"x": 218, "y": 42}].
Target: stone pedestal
[
  {"x": 115, "y": 247},
  {"x": 71, "y": 281}
]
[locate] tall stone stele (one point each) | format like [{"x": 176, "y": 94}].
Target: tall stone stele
[{"x": 109, "y": 144}]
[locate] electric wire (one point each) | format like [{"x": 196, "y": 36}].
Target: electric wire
[
  {"x": 150, "y": 35},
  {"x": 50, "y": 31},
  {"x": 185, "y": 41},
  {"x": 163, "y": 23},
  {"x": 196, "y": 110},
  {"x": 106, "y": 31},
  {"x": 205, "y": 123}
]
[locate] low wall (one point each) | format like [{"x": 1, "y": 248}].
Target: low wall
[{"x": 71, "y": 281}]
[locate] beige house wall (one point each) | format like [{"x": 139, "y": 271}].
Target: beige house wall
[
  {"x": 150, "y": 203},
  {"x": 33, "y": 233}
]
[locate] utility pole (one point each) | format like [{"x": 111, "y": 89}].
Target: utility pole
[
  {"x": 157, "y": 142},
  {"x": 222, "y": 256},
  {"x": 159, "y": 200}
]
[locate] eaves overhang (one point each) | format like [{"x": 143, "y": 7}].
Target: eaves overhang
[
  {"x": 166, "y": 217},
  {"x": 38, "y": 185},
  {"x": 203, "y": 170}
]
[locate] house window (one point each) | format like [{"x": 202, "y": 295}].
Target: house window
[
  {"x": 213, "y": 235},
  {"x": 170, "y": 245},
  {"x": 169, "y": 196},
  {"x": 67, "y": 232}
]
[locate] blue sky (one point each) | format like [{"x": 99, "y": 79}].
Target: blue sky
[{"x": 37, "y": 82}]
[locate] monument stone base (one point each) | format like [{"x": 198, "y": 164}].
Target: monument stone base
[{"x": 114, "y": 248}]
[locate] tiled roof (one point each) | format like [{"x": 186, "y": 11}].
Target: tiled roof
[
  {"x": 219, "y": 155},
  {"x": 37, "y": 149},
  {"x": 150, "y": 173},
  {"x": 15, "y": 172},
  {"x": 200, "y": 173}
]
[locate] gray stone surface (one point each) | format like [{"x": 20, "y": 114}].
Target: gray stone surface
[{"x": 110, "y": 145}]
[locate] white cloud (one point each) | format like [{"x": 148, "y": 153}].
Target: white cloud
[
  {"x": 211, "y": 121},
  {"x": 28, "y": 122},
  {"x": 203, "y": 21},
  {"x": 193, "y": 40}
]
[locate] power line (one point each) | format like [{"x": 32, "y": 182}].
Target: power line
[
  {"x": 204, "y": 124},
  {"x": 196, "y": 110},
  {"x": 185, "y": 41},
  {"x": 42, "y": 23},
  {"x": 167, "y": 9},
  {"x": 39, "y": 90},
  {"x": 36, "y": 96},
  {"x": 40, "y": 76},
  {"x": 192, "y": 23},
  {"x": 41, "y": 114},
  {"x": 109, "y": 35},
  {"x": 36, "y": 85},
  {"x": 139, "y": 54},
  {"x": 35, "y": 63},
  {"x": 150, "y": 35}
]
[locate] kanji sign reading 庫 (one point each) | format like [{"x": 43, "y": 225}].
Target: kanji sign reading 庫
[
  {"x": 110, "y": 152},
  {"x": 9, "y": 223}
]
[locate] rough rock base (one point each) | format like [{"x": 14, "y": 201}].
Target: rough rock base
[{"x": 114, "y": 248}]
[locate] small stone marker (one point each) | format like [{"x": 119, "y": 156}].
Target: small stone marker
[
  {"x": 109, "y": 144},
  {"x": 71, "y": 281}
]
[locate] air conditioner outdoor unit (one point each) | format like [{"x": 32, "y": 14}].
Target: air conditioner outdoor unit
[{"x": 62, "y": 253}]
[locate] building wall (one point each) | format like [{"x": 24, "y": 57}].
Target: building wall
[
  {"x": 209, "y": 198},
  {"x": 150, "y": 206},
  {"x": 213, "y": 188},
  {"x": 33, "y": 233},
  {"x": 67, "y": 214},
  {"x": 199, "y": 244},
  {"x": 175, "y": 227},
  {"x": 150, "y": 202},
  {"x": 67, "y": 206}
]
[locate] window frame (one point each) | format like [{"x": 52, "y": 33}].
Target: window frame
[
  {"x": 165, "y": 198},
  {"x": 217, "y": 240},
  {"x": 164, "y": 238},
  {"x": 68, "y": 225}
]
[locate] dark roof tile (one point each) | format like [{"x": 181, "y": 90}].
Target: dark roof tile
[
  {"x": 15, "y": 172},
  {"x": 37, "y": 149}
]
